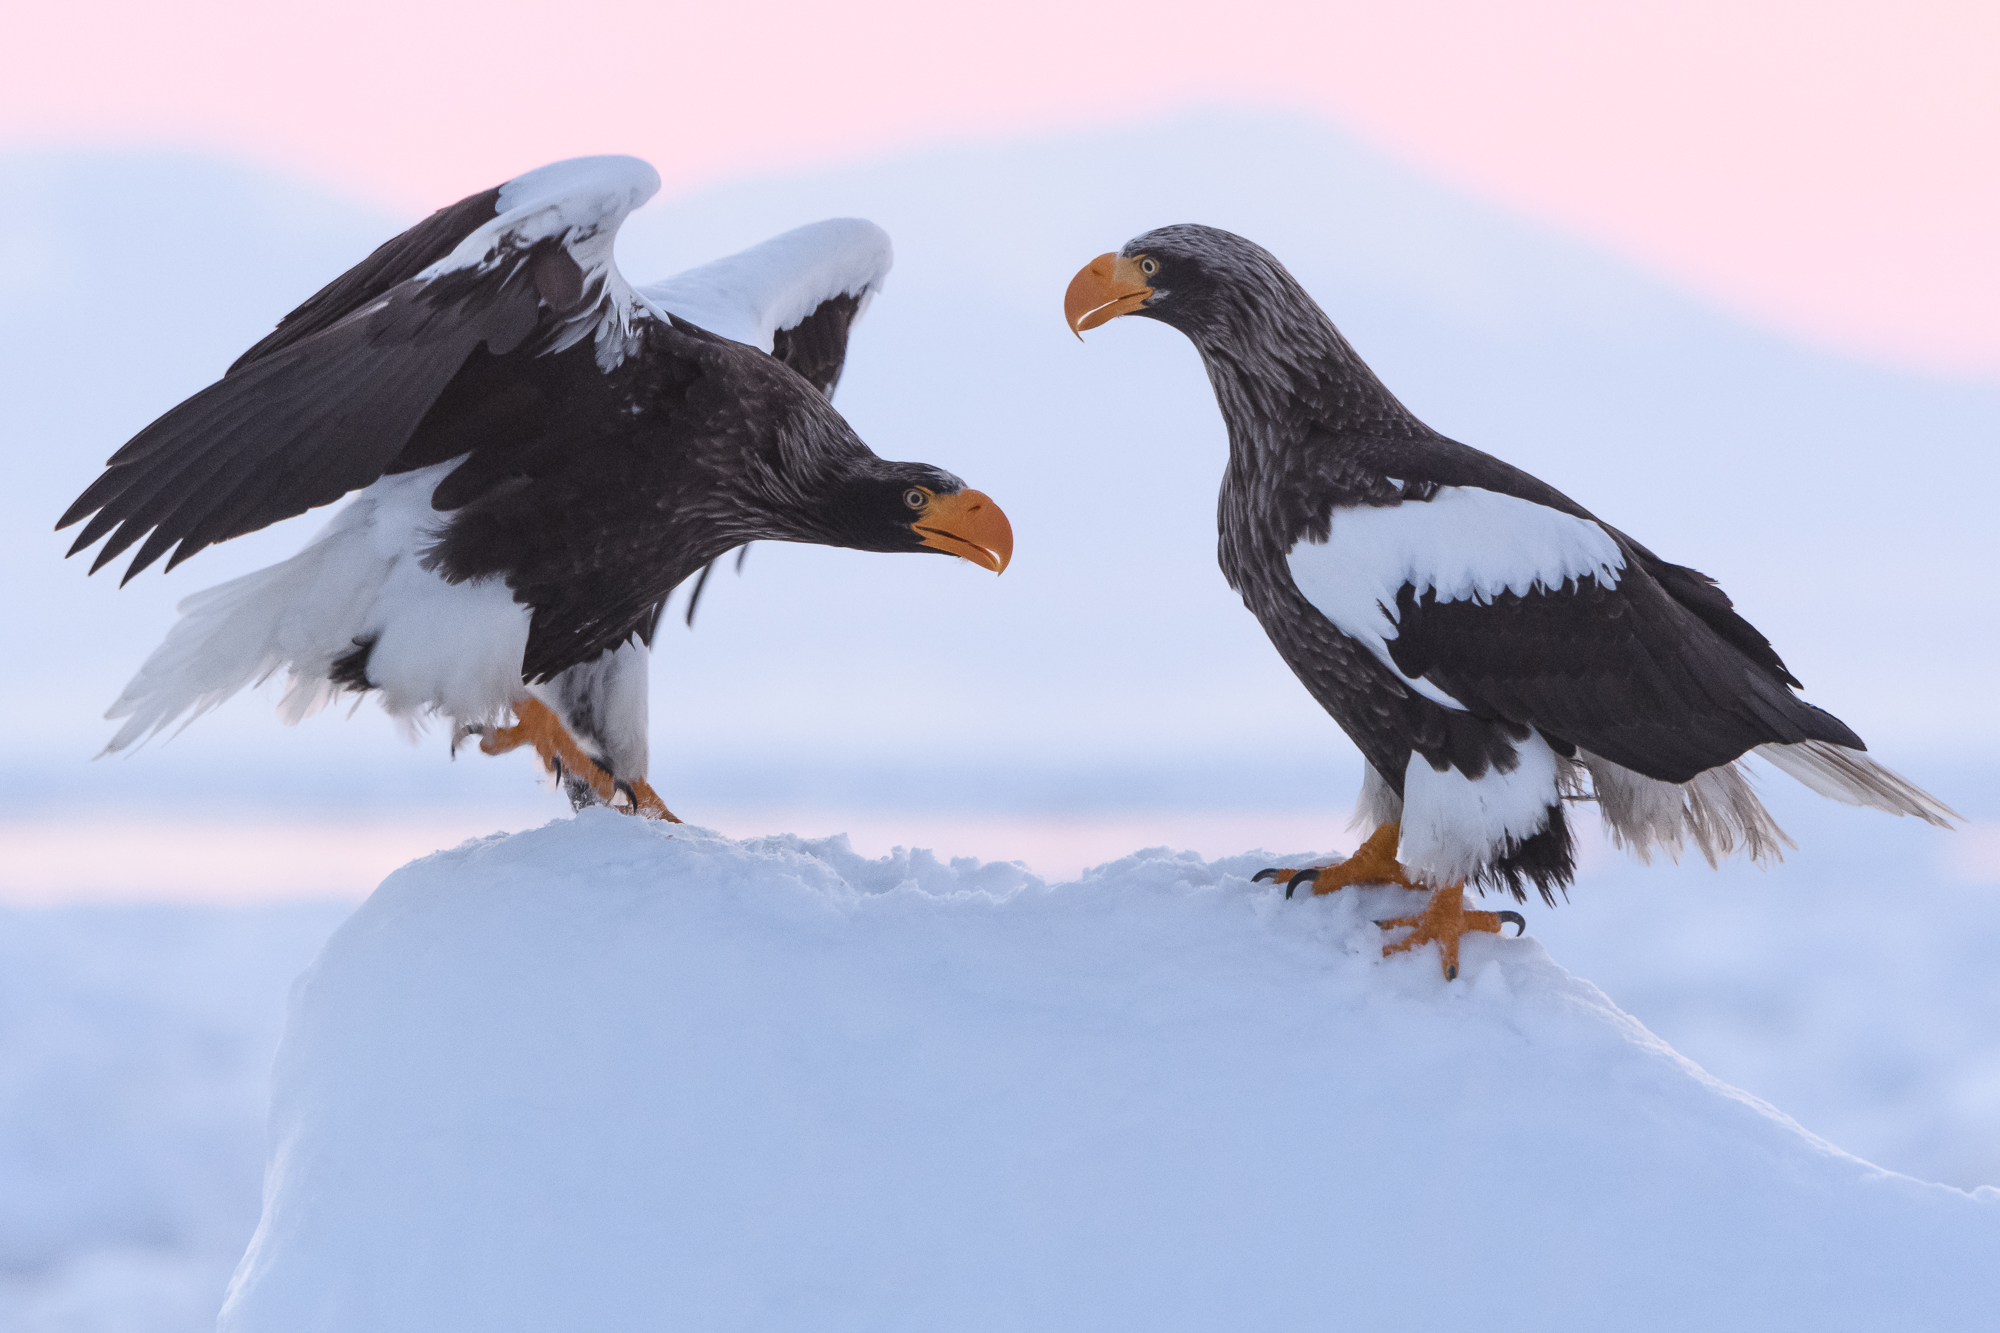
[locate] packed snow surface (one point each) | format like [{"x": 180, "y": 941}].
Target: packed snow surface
[{"x": 611, "y": 1074}]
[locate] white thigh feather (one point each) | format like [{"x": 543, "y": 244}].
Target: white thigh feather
[
  {"x": 1718, "y": 812},
  {"x": 438, "y": 647}
]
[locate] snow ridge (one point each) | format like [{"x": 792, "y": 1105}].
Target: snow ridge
[{"x": 610, "y": 1075}]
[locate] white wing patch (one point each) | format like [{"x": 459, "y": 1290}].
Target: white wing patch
[
  {"x": 1465, "y": 543},
  {"x": 583, "y": 202},
  {"x": 751, "y": 295},
  {"x": 584, "y": 197}
]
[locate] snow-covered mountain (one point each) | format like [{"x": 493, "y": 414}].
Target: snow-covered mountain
[{"x": 605, "y": 1075}]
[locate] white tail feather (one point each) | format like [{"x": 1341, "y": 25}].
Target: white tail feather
[
  {"x": 1852, "y": 778},
  {"x": 1718, "y": 811},
  {"x": 453, "y": 648},
  {"x": 302, "y": 613}
]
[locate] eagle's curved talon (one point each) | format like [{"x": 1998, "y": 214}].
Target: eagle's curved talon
[
  {"x": 1303, "y": 877},
  {"x": 464, "y": 732},
  {"x": 1520, "y": 923},
  {"x": 1268, "y": 872}
]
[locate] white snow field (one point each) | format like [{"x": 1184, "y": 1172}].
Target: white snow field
[
  {"x": 136, "y": 1042},
  {"x": 609, "y": 1075},
  {"x": 135, "y": 1059}
]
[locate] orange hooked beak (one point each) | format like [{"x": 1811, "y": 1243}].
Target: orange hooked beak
[
  {"x": 1107, "y": 287},
  {"x": 968, "y": 524}
]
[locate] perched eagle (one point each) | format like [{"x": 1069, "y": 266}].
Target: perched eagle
[
  {"x": 539, "y": 454},
  {"x": 1490, "y": 645}
]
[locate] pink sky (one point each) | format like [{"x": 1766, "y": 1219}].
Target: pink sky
[{"x": 1830, "y": 168}]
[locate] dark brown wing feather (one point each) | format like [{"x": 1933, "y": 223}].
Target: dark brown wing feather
[
  {"x": 1446, "y": 462},
  {"x": 392, "y": 263},
  {"x": 1626, "y": 672},
  {"x": 304, "y": 424},
  {"x": 1659, "y": 674},
  {"x": 816, "y": 346}
]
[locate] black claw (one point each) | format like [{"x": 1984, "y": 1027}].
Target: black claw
[
  {"x": 1451, "y": 973},
  {"x": 1520, "y": 923},
  {"x": 1270, "y": 872},
  {"x": 1303, "y": 877}
]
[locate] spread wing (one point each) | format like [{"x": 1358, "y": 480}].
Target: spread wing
[
  {"x": 327, "y": 402},
  {"x": 1488, "y": 591},
  {"x": 796, "y": 296}
]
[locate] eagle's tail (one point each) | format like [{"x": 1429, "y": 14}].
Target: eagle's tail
[
  {"x": 1852, "y": 778},
  {"x": 1718, "y": 812},
  {"x": 301, "y": 613}
]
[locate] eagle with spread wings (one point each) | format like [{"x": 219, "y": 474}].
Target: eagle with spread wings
[{"x": 537, "y": 452}]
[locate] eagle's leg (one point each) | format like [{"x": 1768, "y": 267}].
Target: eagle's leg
[
  {"x": 536, "y": 724},
  {"x": 1373, "y": 862},
  {"x": 1445, "y": 919}
]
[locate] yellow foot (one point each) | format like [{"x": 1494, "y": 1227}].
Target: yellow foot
[
  {"x": 536, "y": 724},
  {"x": 1373, "y": 862},
  {"x": 1445, "y": 919}
]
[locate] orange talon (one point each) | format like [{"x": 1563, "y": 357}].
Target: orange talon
[
  {"x": 647, "y": 803},
  {"x": 1446, "y": 919},
  {"x": 536, "y": 724},
  {"x": 1373, "y": 862}
]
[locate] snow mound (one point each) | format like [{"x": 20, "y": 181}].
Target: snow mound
[{"x": 612, "y": 1075}]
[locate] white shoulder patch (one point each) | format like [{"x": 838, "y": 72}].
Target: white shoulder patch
[
  {"x": 586, "y": 198},
  {"x": 1465, "y": 543},
  {"x": 751, "y": 295},
  {"x": 582, "y": 201},
  {"x": 583, "y": 187}
]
